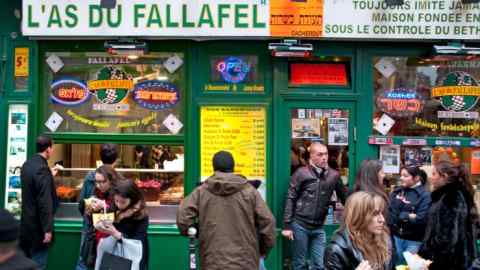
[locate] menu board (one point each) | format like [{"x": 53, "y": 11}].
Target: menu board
[
  {"x": 16, "y": 154},
  {"x": 239, "y": 130}
]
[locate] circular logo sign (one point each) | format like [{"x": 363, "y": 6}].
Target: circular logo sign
[
  {"x": 156, "y": 95},
  {"x": 112, "y": 85},
  {"x": 69, "y": 92},
  {"x": 460, "y": 102},
  {"x": 233, "y": 69}
]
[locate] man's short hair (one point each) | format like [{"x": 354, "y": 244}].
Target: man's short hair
[
  {"x": 6, "y": 247},
  {"x": 108, "y": 153},
  {"x": 43, "y": 142}
]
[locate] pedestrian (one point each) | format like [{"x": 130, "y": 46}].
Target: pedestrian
[
  {"x": 10, "y": 257},
  {"x": 307, "y": 203},
  {"x": 39, "y": 203},
  {"x": 362, "y": 242},
  {"x": 131, "y": 217},
  {"x": 235, "y": 226},
  {"x": 408, "y": 212},
  {"x": 370, "y": 178},
  {"x": 100, "y": 202},
  {"x": 450, "y": 234},
  {"x": 108, "y": 156}
]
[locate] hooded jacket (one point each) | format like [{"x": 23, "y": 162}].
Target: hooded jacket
[{"x": 235, "y": 224}]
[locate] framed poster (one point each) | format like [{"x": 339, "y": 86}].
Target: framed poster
[
  {"x": 390, "y": 156},
  {"x": 16, "y": 154},
  {"x": 338, "y": 131}
]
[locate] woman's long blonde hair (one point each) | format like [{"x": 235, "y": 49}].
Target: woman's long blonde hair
[{"x": 360, "y": 209}]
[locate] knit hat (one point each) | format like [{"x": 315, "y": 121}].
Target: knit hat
[
  {"x": 223, "y": 162},
  {"x": 9, "y": 227}
]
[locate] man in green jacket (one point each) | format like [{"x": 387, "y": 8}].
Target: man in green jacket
[{"x": 235, "y": 226}]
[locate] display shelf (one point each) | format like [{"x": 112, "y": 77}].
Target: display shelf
[
  {"x": 15, "y": 189},
  {"x": 122, "y": 170}
]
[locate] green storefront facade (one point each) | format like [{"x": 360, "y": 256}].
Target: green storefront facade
[{"x": 352, "y": 95}]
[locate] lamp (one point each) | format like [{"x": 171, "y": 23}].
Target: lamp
[
  {"x": 127, "y": 47},
  {"x": 290, "y": 48},
  {"x": 456, "y": 48},
  {"x": 394, "y": 2},
  {"x": 108, "y": 3}
]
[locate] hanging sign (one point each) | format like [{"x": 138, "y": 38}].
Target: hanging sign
[
  {"x": 156, "y": 95},
  {"x": 400, "y": 102},
  {"x": 21, "y": 62},
  {"x": 69, "y": 92}
]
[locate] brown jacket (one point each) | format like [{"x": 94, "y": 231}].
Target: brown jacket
[{"x": 235, "y": 224}]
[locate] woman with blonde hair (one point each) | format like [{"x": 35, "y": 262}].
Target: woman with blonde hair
[{"x": 362, "y": 242}]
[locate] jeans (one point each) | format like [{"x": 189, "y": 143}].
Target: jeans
[
  {"x": 402, "y": 245},
  {"x": 307, "y": 242},
  {"x": 40, "y": 257},
  {"x": 80, "y": 263},
  {"x": 262, "y": 264}
]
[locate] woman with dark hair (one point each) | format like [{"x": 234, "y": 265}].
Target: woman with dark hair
[
  {"x": 370, "y": 178},
  {"x": 131, "y": 218},
  {"x": 408, "y": 211},
  {"x": 362, "y": 242},
  {"x": 105, "y": 180},
  {"x": 451, "y": 232}
]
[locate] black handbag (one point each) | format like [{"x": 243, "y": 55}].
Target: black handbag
[{"x": 111, "y": 261}]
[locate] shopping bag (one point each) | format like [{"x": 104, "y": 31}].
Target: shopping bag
[
  {"x": 130, "y": 249},
  {"x": 114, "y": 262}
]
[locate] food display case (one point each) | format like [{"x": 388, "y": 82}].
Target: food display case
[{"x": 159, "y": 175}]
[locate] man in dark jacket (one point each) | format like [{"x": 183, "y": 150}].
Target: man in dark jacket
[
  {"x": 235, "y": 225},
  {"x": 39, "y": 203},
  {"x": 10, "y": 257},
  {"x": 306, "y": 208},
  {"x": 108, "y": 155}
]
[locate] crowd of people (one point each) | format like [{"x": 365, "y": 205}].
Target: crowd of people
[{"x": 236, "y": 229}]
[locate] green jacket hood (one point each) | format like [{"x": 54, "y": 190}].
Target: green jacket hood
[{"x": 225, "y": 184}]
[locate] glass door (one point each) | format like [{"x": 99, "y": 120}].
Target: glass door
[{"x": 331, "y": 123}]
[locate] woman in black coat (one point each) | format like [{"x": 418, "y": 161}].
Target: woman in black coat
[
  {"x": 131, "y": 218},
  {"x": 450, "y": 233},
  {"x": 363, "y": 242}
]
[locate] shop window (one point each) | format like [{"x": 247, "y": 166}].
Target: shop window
[
  {"x": 98, "y": 92},
  {"x": 426, "y": 96},
  {"x": 156, "y": 169},
  {"x": 395, "y": 157},
  {"x": 320, "y": 71}
]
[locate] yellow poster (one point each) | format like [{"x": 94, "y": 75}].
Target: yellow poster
[
  {"x": 296, "y": 18},
  {"x": 21, "y": 62},
  {"x": 240, "y": 130}
]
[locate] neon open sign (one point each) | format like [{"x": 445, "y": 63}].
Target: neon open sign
[{"x": 233, "y": 69}]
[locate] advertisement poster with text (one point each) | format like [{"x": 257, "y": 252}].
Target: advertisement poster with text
[{"x": 296, "y": 18}]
